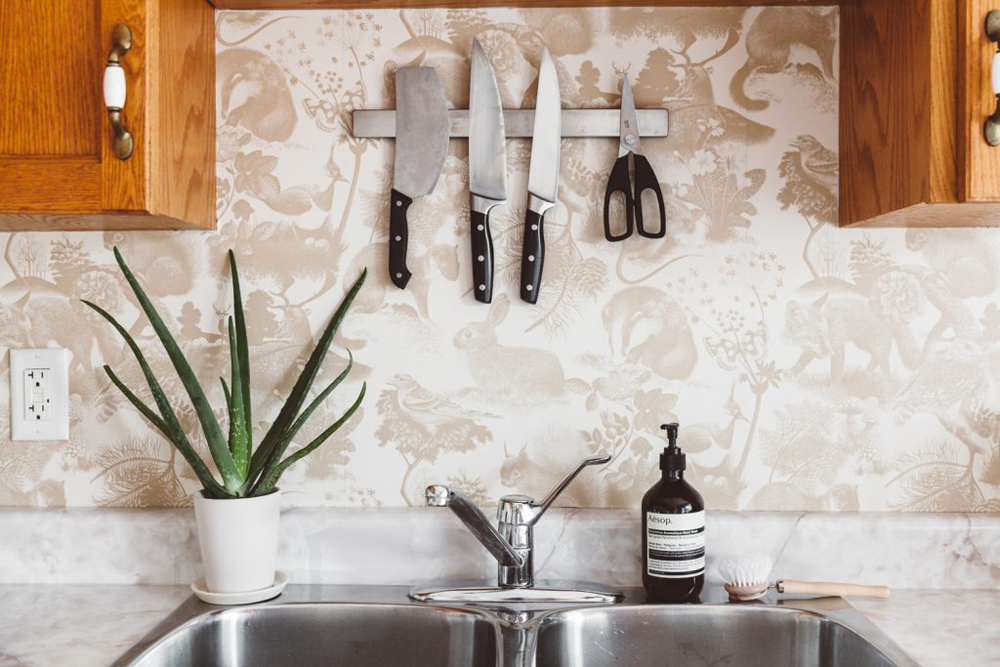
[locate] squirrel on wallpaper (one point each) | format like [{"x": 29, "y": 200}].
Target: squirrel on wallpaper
[{"x": 769, "y": 42}]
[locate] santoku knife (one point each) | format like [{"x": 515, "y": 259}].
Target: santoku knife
[
  {"x": 487, "y": 167},
  {"x": 421, "y": 147},
  {"x": 543, "y": 176}
]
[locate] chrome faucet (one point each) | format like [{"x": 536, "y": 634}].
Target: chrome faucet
[{"x": 512, "y": 541}]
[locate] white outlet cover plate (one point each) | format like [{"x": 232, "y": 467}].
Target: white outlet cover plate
[{"x": 56, "y": 361}]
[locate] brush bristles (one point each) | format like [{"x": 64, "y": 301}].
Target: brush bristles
[{"x": 746, "y": 570}]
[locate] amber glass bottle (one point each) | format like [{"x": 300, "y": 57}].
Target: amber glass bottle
[{"x": 673, "y": 531}]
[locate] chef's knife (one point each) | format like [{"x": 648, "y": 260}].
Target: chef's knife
[
  {"x": 543, "y": 176},
  {"x": 487, "y": 167},
  {"x": 421, "y": 147}
]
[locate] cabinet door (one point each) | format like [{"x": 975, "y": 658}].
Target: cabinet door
[
  {"x": 55, "y": 138},
  {"x": 979, "y": 162}
]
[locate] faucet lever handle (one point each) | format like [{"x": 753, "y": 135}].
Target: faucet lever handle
[{"x": 545, "y": 504}]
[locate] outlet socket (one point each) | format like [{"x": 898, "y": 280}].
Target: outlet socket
[{"x": 39, "y": 394}]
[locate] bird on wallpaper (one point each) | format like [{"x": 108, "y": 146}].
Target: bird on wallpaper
[
  {"x": 811, "y": 173},
  {"x": 819, "y": 163},
  {"x": 703, "y": 436},
  {"x": 428, "y": 407},
  {"x": 953, "y": 374},
  {"x": 420, "y": 428}
]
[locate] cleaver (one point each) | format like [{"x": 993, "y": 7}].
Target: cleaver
[{"x": 422, "y": 128}]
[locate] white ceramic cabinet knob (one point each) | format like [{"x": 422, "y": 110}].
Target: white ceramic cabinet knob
[{"x": 114, "y": 87}]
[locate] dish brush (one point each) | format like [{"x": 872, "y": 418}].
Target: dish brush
[{"x": 747, "y": 578}]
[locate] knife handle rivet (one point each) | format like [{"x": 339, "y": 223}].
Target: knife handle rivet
[
  {"x": 399, "y": 203},
  {"x": 399, "y": 238},
  {"x": 482, "y": 288},
  {"x": 399, "y": 275},
  {"x": 481, "y": 258},
  {"x": 479, "y": 227},
  {"x": 531, "y": 258},
  {"x": 528, "y": 287},
  {"x": 534, "y": 228}
]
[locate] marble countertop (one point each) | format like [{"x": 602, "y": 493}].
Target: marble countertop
[{"x": 88, "y": 625}]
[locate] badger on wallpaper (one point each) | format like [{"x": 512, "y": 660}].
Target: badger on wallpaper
[{"x": 647, "y": 326}]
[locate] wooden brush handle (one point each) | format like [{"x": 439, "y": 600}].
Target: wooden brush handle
[{"x": 832, "y": 588}]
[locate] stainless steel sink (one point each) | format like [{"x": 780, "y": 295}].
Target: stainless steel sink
[
  {"x": 376, "y": 625},
  {"x": 732, "y": 635},
  {"x": 305, "y": 633}
]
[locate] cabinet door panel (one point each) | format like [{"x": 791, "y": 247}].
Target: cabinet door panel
[
  {"x": 981, "y": 162},
  {"x": 49, "y": 65}
]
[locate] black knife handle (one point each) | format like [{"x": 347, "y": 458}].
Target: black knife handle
[
  {"x": 532, "y": 255},
  {"x": 398, "y": 237},
  {"x": 482, "y": 257}
]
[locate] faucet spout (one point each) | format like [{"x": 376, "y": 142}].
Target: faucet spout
[{"x": 438, "y": 495}]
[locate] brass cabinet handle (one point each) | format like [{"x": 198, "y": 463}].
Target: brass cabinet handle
[
  {"x": 991, "y": 129},
  {"x": 114, "y": 90}
]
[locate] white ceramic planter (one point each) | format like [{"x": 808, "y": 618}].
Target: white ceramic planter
[{"x": 239, "y": 541}]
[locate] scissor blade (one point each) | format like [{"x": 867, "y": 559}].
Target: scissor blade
[
  {"x": 543, "y": 171},
  {"x": 628, "y": 129}
]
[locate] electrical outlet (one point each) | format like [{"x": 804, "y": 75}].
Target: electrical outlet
[{"x": 39, "y": 394}]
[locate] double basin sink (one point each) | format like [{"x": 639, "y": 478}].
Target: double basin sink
[{"x": 378, "y": 627}]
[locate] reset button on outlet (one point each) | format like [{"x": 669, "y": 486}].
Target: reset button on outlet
[{"x": 39, "y": 393}]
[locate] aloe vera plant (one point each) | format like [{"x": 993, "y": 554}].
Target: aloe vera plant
[{"x": 245, "y": 471}]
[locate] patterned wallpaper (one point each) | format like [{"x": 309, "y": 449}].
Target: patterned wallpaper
[{"x": 811, "y": 368}]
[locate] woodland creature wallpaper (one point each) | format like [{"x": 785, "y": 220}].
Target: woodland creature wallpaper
[{"x": 810, "y": 367}]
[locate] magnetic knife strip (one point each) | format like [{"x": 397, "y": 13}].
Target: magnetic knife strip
[{"x": 376, "y": 123}]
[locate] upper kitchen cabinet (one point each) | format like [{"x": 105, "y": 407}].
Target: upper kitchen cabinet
[
  {"x": 915, "y": 94},
  {"x": 63, "y": 161}
]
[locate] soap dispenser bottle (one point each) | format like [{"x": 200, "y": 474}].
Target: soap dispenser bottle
[{"x": 673, "y": 531}]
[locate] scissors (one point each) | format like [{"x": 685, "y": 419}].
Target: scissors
[{"x": 621, "y": 181}]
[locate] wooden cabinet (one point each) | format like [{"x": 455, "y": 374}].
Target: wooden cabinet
[
  {"x": 58, "y": 169},
  {"x": 915, "y": 92}
]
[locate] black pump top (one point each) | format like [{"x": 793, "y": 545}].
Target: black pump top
[{"x": 672, "y": 459}]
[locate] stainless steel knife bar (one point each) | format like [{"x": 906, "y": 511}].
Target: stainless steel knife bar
[{"x": 519, "y": 123}]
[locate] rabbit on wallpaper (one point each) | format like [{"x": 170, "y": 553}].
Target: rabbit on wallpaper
[{"x": 514, "y": 373}]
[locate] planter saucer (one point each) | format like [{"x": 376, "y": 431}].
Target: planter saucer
[{"x": 227, "y": 599}]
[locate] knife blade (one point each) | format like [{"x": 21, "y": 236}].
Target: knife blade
[
  {"x": 421, "y": 148},
  {"x": 487, "y": 167},
  {"x": 543, "y": 176}
]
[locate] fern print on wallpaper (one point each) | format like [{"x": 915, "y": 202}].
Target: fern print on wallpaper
[{"x": 812, "y": 368}]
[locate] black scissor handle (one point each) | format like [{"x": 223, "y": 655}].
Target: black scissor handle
[
  {"x": 645, "y": 179},
  {"x": 619, "y": 181}
]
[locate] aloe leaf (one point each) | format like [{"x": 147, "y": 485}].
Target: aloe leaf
[
  {"x": 268, "y": 481},
  {"x": 226, "y": 393},
  {"x": 175, "y": 432},
  {"x": 217, "y": 445},
  {"x": 243, "y": 349},
  {"x": 286, "y": 440},
  {"x": 183, "y": 446},
  {"x": 238, "y": 445},
  {"x": 297, "y": 397}
]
